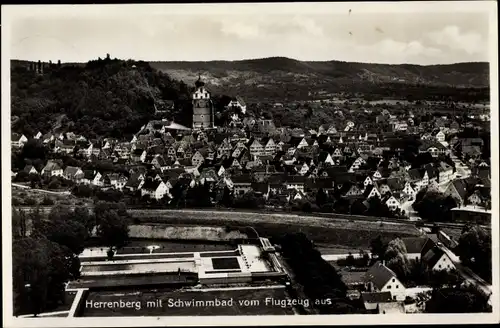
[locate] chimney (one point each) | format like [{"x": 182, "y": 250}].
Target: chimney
[{"x": 383, "y": 262}]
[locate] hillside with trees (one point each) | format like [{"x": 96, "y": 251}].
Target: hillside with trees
[
  {"x": 115, "y": 98},
  {"x": 279, "y": 78},
  {"x": 104, "y": 97}
]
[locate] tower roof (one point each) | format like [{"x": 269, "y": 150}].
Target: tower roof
[{"x": 199, "y": 82}]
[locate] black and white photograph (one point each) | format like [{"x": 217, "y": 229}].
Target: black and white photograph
[{"x": 265, "y": 163}]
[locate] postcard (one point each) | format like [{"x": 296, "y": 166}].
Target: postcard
[{"x": 250, "y": 164}]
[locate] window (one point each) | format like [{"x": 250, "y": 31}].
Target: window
[
  {"x": 397, "y": 286},
  {"x": 393, "y": 280},
  {"x": 389, "y": 287}
]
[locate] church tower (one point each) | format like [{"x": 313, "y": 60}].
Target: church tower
[{"x": 203, "y": 116}]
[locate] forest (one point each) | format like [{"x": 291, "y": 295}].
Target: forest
[{"x": 105, "y": 97}]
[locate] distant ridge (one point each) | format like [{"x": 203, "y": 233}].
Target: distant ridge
[
  {"x": 263, "y": 77},
  {"x": 285, "y": 78}
]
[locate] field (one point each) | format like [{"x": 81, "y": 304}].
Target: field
[
  {"x": 349, "y": 276},
  {"x": 21, "y": 194},
  {"x": 252, "y": 303},
  {"x": 349, "y": 233}
]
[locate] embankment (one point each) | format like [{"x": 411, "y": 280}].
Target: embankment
[{"x": 162, "y": 231}]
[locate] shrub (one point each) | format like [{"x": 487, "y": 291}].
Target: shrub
[
  {"x": 30, "y": 201},
  {"x": 54, "y": 184},
  {"x": 47, "y": 201}
]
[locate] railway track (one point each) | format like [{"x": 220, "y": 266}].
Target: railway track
[{"x": 328, "y": 217}]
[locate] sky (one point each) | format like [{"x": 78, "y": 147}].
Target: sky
[{"x": 392, "y": 33}]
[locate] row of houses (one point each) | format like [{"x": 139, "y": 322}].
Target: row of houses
[{"x": 384, "y": 292}]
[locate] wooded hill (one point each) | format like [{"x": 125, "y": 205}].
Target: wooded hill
[
  {"x": 105, "y": 97},
  {"x": 279, "y": 77},
  {"x": 115, "y": 98}
]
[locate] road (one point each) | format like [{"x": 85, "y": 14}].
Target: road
[
  {"x": 66, "y": 192},
  {"x": 251, "y": 217}
]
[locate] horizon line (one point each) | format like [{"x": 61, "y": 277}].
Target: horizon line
[{"x": 254, "y": 59}]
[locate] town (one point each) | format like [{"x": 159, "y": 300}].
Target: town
[
  {"x": 383, "y": 165},
  {"x": 348, "y": 167}
]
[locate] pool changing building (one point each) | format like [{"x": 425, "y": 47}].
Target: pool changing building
[{"x": 247, "y": 263}]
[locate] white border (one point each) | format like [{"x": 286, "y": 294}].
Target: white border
[{"x": 8, "y": 14}]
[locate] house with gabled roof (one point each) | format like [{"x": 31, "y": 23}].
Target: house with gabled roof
[
  {"x": 338, "y": 153},
  {"x": 353, "y": 190},
  {"x": 116, "y": 180},
  {"x": 438, "y": 260},
  {"x": 415, "y": 177},
  {"x": 156, "y": 189},
  {"x": 325, "y": 158},
  {"x": 445, "y": 173},
  {"x": 241, "y": 184},
  {"x": 138, "y": 156},
  {"x": 434, "y": 148},
  {"x": 52, "y": 168},
  {"x": 380, "y": 278},
  {"x": 197, "y": 159},
  {"x": 47, "y": 138},
  {"x": 357, "y": 164},
  {"x": 367, "y": 182},
  {"x": 256, "y": 148},
  {"x": 373, "y": 300},
  {"x": 64, "y": 146},
  {"x": 395, "y": 184},
  {"x": 135, "y": 182},
  {"x": 92, "y": 177},
  {"x": 458, "y": 190},
  {"x": 371, "y": 191},
  {"x": 86, "y": 149},
  {"x": 30, "y": 169},
  {"x": 18, "y": 140},
  {"x": 417, "y": 247},
  {"x": 270, "y": 146},
  {"x": 73, "y": 173},
  {"x": 383, "y": 187},
  {"x": 392, "y": 202},
  {"x": 302, "y": 169},
  {"x": 105, "y": 153},
  {"x": 294, "y": 182},
  {"x": 124, "y": 149}
]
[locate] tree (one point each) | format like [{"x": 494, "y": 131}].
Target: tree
[
  {"x": 358, "y": 208},
  {"x": 321, "y": 197},
  {"x": 434, "y": 207},
  {"x": 227, "y": 198},
  {"x": 319, "y": 279},
  {"x": 63, "y": 229},
  {"x": 474, "y": 249},
  {"x": 395, "y": 255},
  {"x": 54, "y": 183},
  {"x": 461, "y": 300},
  {"x": 40, "y": 270},
  {"x": 378, "y": 247},
  {"x": 112, "y": 224},
  {"x": 19, "y": 223},
  {"x": 377, "y": 208},
  {"x": 82, "y": 215}
]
